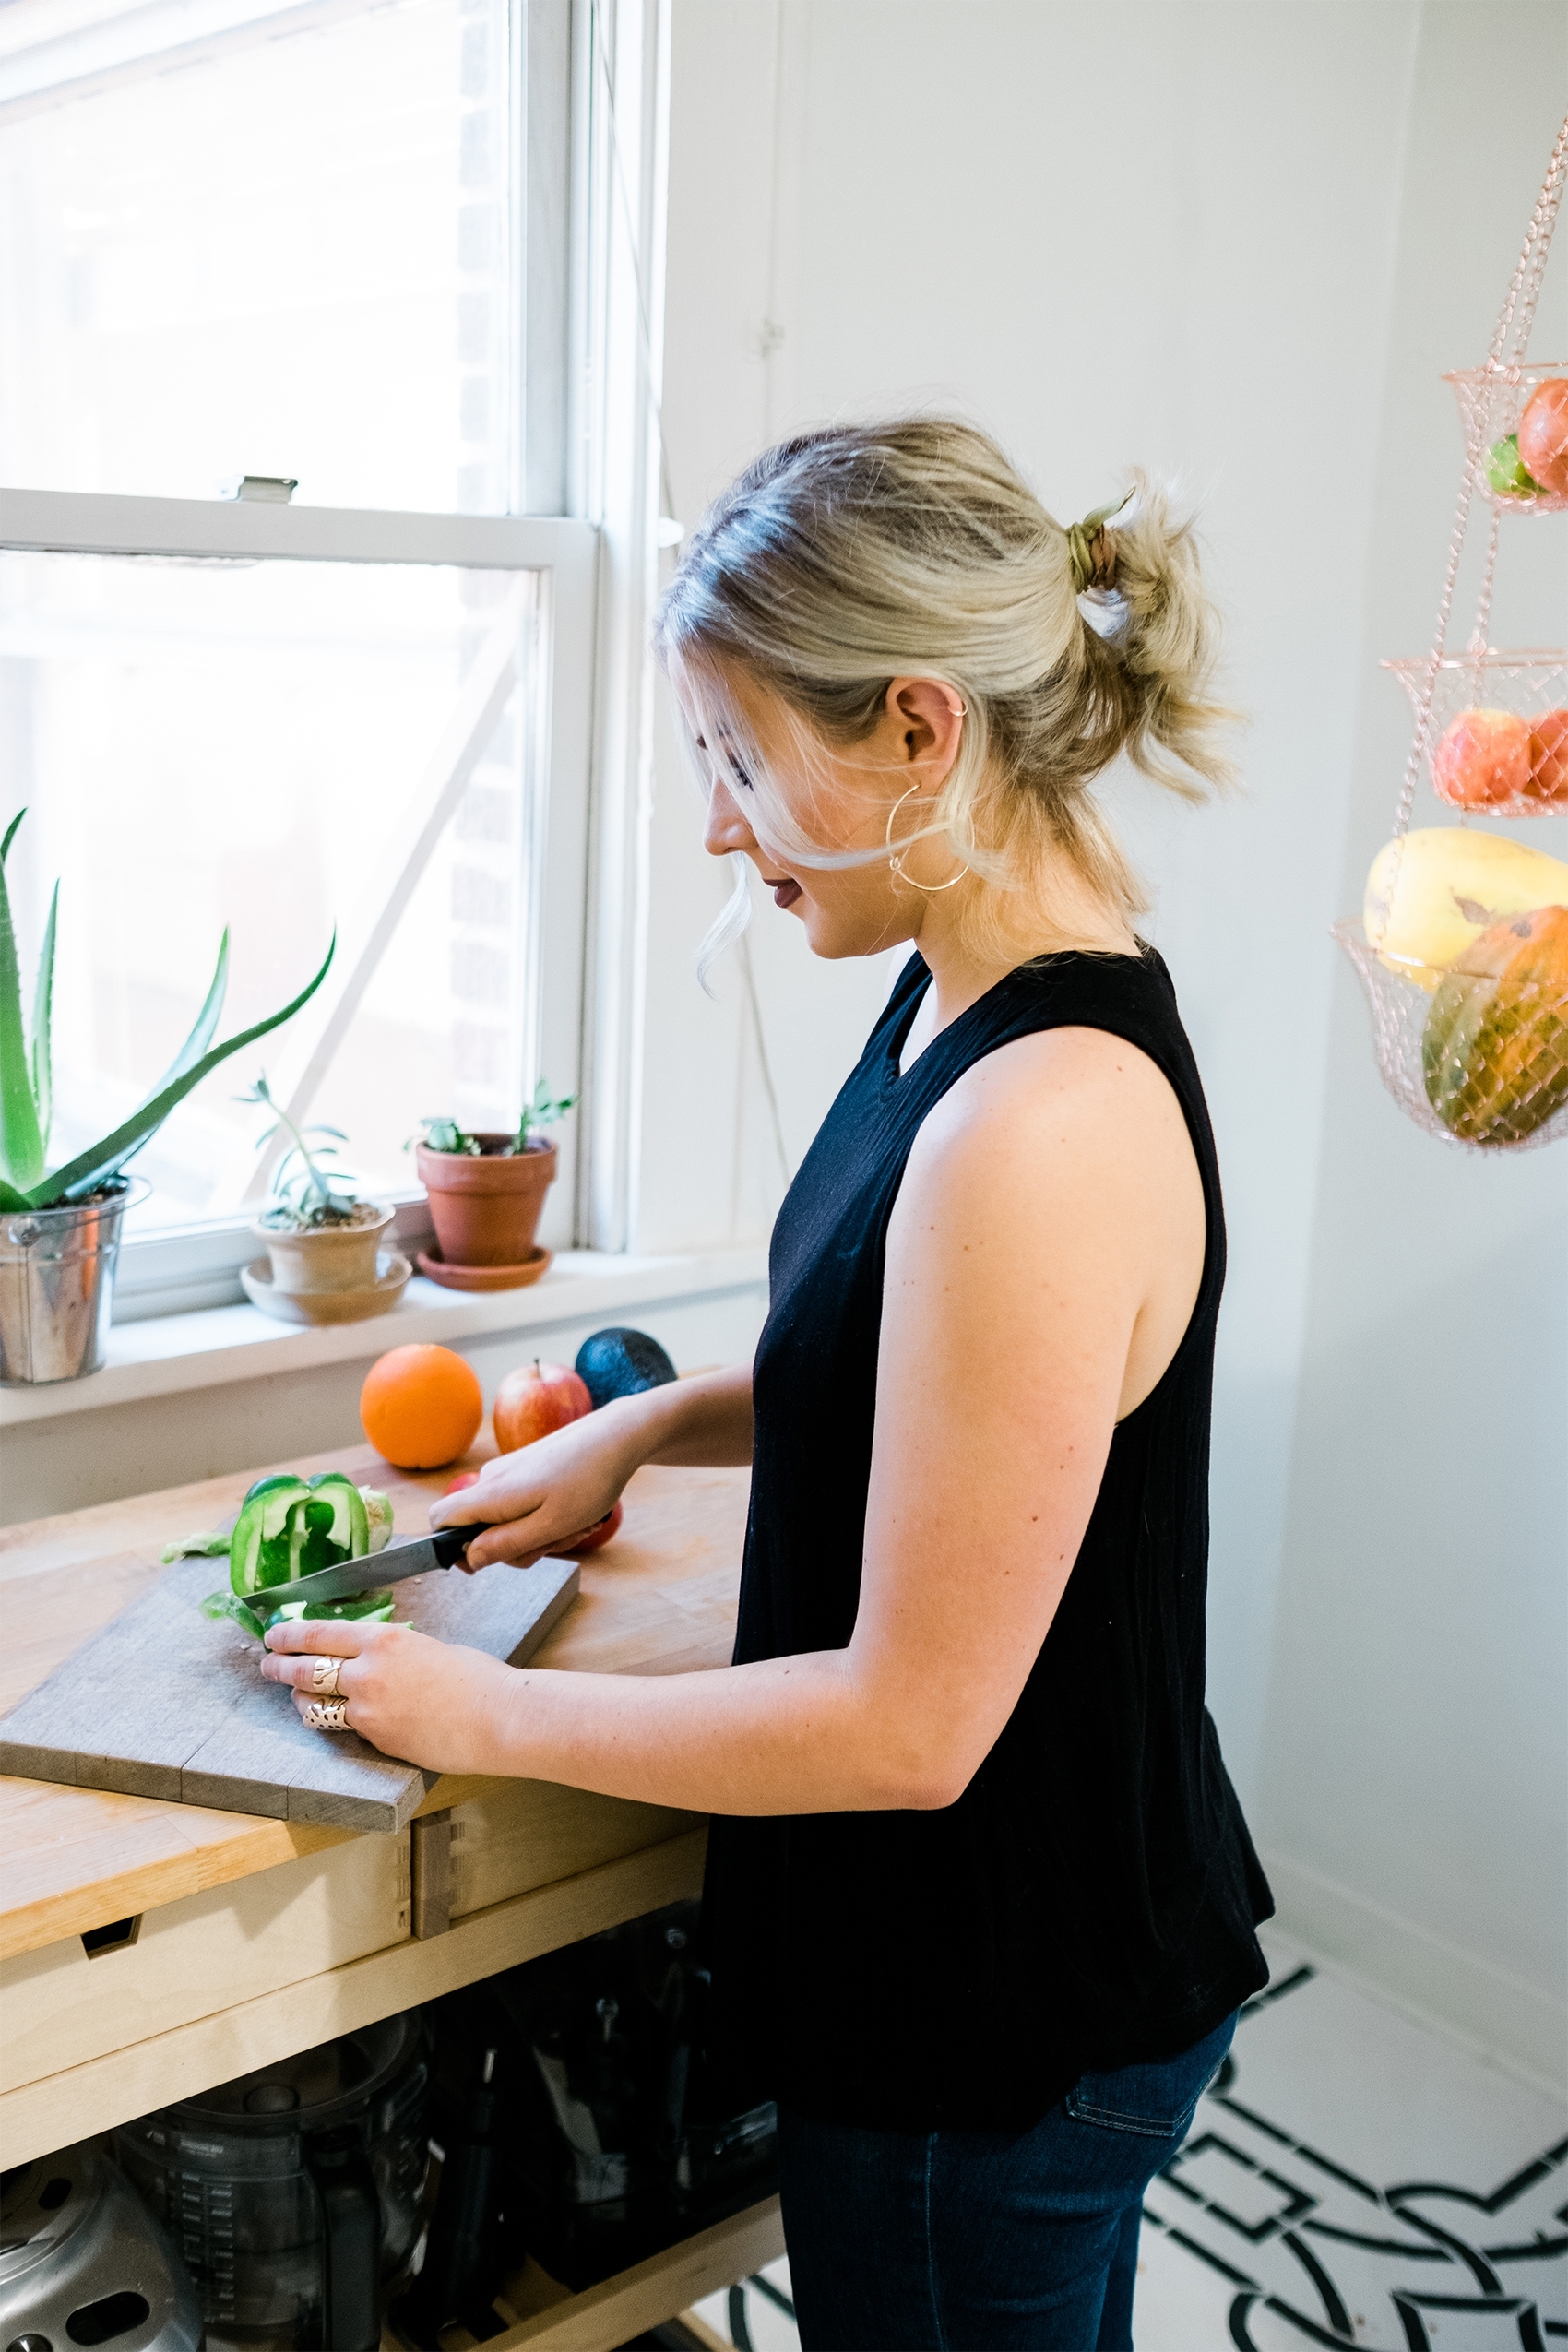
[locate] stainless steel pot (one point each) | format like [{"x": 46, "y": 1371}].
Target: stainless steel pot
[
  {"x": 56, "y": 1285},
  {"x": 81, "y": 2262}
]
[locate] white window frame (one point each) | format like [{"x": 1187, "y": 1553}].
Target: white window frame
[
  {"x": 591, "y": 112},
  {"x": 553, "y": 660}
]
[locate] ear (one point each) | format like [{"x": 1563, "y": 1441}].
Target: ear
[{"x": 926, "y": 718}]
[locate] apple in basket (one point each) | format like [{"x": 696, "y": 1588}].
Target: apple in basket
[
  {"x": 1483, "y": 757},
  {"x": 1543, "y": 434},
  {"x": 1549, "y": 758}
]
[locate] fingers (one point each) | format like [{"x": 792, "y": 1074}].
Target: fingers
[
  {"x": 302, "y": 1675},
  {"x": 516, "y": 1543},
  {"x": 332, "y": 1636},
  {"x": 459, "y": 1510},
  {"x": 487, "y": 1499}
]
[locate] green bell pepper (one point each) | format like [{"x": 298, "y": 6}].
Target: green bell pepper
[{"x": 289, "y": 1526}]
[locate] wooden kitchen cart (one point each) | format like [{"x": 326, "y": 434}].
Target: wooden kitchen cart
[{"x": 149, "y": 1950}]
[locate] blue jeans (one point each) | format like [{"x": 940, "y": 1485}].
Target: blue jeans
[{"x": 962, "y": 2241}]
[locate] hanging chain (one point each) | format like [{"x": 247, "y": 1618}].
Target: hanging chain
[
  {"x": 1445, "y": 607},
  {"x": 1483, "y": 602},
  {"x": 1513, "y": 333},
  {"x": 1524, "y": 286}
]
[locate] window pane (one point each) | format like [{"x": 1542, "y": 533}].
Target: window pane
[
  {"x": 256, "y": 745},
  {"x": 255, "y": 252}
]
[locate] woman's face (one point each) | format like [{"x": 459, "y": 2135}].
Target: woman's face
[{"x": 842, "y": 800}]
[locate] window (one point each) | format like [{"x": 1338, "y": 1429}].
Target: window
[
  {"x": 267, "y": 240},
  {"x": 324, "y": 241}
]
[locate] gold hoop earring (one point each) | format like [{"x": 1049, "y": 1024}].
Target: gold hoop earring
[{"x": 896, "y": 857}]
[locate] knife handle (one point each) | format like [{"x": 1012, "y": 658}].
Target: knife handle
[{"x": 450, "y": 1543}]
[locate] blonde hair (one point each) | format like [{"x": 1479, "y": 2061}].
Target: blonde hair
[{"x": 852, "y": 555}]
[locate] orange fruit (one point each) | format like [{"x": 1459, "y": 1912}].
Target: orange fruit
[{"x": 420, "y": 1407}]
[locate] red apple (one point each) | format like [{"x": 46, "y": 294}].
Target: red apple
[
  {"x": 1484, "y": 757},
  {"x": 463, "y": 1479},
  {"x": 535, "y": 1399},
  {"x": 590, "y": 1541},
  {"x": 1549, "y": 758},
  {"x": 1543, "y": 434}
]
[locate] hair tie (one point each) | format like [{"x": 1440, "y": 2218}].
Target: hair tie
[{"x": 1092, "y": 552}]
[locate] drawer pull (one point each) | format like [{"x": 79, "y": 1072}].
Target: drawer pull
[{"x": 118, "y": 1935}]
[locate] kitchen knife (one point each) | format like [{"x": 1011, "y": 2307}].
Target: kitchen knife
[{"x": 444, "y": 1549}]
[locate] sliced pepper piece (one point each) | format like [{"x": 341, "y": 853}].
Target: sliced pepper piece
[
  {"x": 208, "y": 1543},
  {"x": 361, "y": 1605},
  {"x": 378, "y": 1511},
  {"x": 259, "y": 1548},
  {"x": 349, "y": 1530},
  {"x": 255, "y": 1615}
]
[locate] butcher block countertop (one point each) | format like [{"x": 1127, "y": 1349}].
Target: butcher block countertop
[
  {"x": 150, "y": 1950},
  {"x": 659, "y": 1601}
]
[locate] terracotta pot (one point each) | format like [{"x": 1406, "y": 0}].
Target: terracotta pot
[
  {"x": 486, "y": 1210},
  {"x": 333, "y": 1258}
]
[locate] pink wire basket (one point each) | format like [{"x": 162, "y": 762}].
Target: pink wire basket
[
  {"x": 1493, "y": 401},
  {"x": 1502, "y": 1109},
  {"x": 1493, "y": 729},
  {"x": 1472, "y": 1041}
]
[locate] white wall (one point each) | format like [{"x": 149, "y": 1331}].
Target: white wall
[
  {"x": 1417, "y": 1747},
  {"x": 1198, "y": 236}
]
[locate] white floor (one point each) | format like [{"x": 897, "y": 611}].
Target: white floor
[{"x": 1351, "y": 2179}]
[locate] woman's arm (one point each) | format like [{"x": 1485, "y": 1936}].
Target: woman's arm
[
  {"x": 1047, "y": 1212},
  {"x": 567, "y": 1481}
]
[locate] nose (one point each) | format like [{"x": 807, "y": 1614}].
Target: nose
[{"x": 727, "y": 828}]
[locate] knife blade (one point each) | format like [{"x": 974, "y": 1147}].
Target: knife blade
[{"x": 444, "y": 1549}]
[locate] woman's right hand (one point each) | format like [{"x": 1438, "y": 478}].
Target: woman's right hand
[{"x": 535, "y": 1499}]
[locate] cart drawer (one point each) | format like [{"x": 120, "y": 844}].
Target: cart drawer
[
  {"x": 531, "y": 1833},
  {"x": 206, "y": 1952}
]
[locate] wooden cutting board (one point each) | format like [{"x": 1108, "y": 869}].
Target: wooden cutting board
[{"x": 164, "y": 1702}]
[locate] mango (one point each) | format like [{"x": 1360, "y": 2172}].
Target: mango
[
  {"x": 1494, "y": 1052},
  {"x": 1431, "y": 895}
]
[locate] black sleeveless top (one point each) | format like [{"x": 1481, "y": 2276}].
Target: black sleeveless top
[{"x": 1089, "y": 1900}]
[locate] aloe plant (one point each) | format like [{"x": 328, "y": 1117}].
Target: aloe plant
[{"x": 27, "y": 1082}]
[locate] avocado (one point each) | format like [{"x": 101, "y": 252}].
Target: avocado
[{"x": 618, "y": 1362}]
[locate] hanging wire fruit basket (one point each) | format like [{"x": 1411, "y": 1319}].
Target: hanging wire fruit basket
[
  {"x": 1516, "y": 422},
  {"x": 1496, "y": 733},
  {"x": 1462, "y": 945},
  {"x": 1470, "y": 1061}
]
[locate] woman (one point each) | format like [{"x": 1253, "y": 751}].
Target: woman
[{"x": 981, "y": 1902}]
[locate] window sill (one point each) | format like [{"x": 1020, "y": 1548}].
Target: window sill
[{"x": 165, "y": 1355}]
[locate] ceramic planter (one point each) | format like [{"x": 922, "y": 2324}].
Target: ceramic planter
[
  {"x": 486, "y": 1208},
  {"x": 327, "y": 1258},
  {"x": 56, "y": 1285}
]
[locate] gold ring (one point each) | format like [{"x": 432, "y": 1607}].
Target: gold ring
[
  {"x": 327, "y": 1715},
  {"x": 324, "y": 1676}
]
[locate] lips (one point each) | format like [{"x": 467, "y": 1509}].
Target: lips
[{"x": 785, "y": 891}]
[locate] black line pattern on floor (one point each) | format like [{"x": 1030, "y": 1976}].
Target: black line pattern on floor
[{"x": 1264, "y": 2203}]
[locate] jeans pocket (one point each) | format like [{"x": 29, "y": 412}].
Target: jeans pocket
[{"x": 1157, "y": 2099}]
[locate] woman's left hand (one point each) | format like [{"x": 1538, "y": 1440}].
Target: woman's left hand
[{"x": 428, "y": 1703}]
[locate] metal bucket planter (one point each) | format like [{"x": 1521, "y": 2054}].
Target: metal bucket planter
[{"x": 56, "y": 1285}]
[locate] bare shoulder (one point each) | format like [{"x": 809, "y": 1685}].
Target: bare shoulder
[
  {"x": 1053, "y": 1195},
  {"x": 1062, "y": 1100}
]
